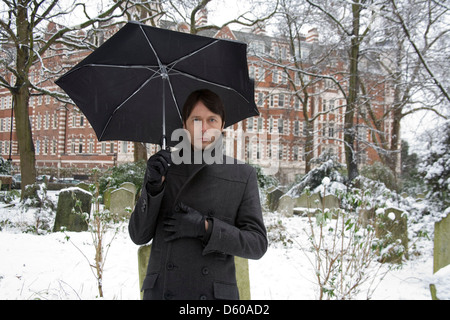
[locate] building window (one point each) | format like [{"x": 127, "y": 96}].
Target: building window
[
  {"x": 91, "y": 146},
  {"x": 296, "y": 103},
  {"x": 280, "y": 125},
  {"x": 281, "y": 100},
  {"x": 296, "y": 128},
  {"x": 80, "y": 146},
  {"x": 260, "y": 99},
  {"x": 124, "y": 146},
  {"x": 47, "y": 120},
  {"x": 55, "y": 120},
  {"x": 260, "y": 124},
  {"x": 250, "y": 124},
  {"x": 275, "y": 76},
  {"x": 73, "y": 146},
  {"x": 331, "y": 130}
]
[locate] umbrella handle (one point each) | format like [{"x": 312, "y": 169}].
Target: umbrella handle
[{"x": 164, "y": 145}]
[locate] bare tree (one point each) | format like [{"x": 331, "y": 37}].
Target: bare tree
[
  {"x": 411, "y": 47},
  {"x": 26, "y": 37}
]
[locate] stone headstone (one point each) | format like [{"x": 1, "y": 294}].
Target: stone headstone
[
  {"x": 107, "y": 197},
  {"x": 330, "y": 201},
  {"x": 441, "y": 254},
  {"x": 439, "y": 286},
  {"x": 242, "y": 272},
  {"x": 121, "y": 200},
  {"x": 69, "y": 214},
  {"x": 286, "y": 205},
  {"x": 83, "y": 185},
  {"x": 129, "y": 186},
  {"x": 311, "y": 201},
  {"x": 390, "y": 227},
  {"x": 273, "y": 198}
]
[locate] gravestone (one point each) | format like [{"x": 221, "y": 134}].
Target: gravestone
[
  {"x": 273, "y": 198},
  {"x": 439, "y": 286},
  {"x": 441, "y": 254},
  {"x": 286, "y": 205},
  {"x": 69, "y": 214},
  {"x": 242, "y": 272},
  {"x": 330, "y": 201},
  {"x": 129, "y": 186},
  {"x": 83, "y": 185},
  {"x": 107, "y": 197},
  {"x": 121, "y": 200},
  {"x": 391, "y": 226}
]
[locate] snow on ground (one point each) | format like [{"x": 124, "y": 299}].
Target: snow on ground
[{"x": 50, "y": 267}]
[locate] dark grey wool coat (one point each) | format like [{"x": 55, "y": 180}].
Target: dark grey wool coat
[{"x": 187, "y": 268}]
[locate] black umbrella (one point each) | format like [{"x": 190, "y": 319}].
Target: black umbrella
[{"x": 134, "y": 85}]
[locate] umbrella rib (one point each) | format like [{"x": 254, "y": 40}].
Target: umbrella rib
[
  {"x": 151, "y": 47},
  {"x": 123, "y": 102},
  {"x": 156, "y": 68},
  {"x": 209, "y": 82},
  {"x": 173, "y": 63}
]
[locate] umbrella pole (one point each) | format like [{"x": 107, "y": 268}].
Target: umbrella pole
[{"x": 164, "y": 138}]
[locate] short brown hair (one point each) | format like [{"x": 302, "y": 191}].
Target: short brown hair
[{"x": 210, "y": 99}]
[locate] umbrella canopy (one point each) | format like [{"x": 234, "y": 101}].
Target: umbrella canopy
[{"x": 134, "y": 85}]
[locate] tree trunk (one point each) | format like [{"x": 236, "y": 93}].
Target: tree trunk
[
  {"x": 21, "y": 96},
  {"x": 349, "y": 125},
  {"x": 24, "y": 137}
]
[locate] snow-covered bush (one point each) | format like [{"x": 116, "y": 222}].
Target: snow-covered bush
[
  {"x": 379, "y": 172},
  {"x": 346, "y": 250},
  {"x": 127, "y": 172},
  {"x": 435, "y": 166},
  {"x": 313, "y": 179},
  {"x": 39, "y": 208}
]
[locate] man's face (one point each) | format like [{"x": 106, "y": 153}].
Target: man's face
[{"x": 203, "y": 126}]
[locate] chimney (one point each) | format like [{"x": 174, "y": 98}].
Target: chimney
[
  {"x": 312, "y": 36},
  {"x": 202, "y": 17}
]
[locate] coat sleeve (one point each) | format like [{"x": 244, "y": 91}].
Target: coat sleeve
[
  {"x": 142, "y": 224},
  {"x": 248, "y": 237}
]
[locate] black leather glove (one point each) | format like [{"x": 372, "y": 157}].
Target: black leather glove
[
  {"x": 157, "y": 166},
  {"x": 185, "y": 222}
]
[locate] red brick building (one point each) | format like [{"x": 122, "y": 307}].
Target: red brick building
[{"x": 66, "y": 144}]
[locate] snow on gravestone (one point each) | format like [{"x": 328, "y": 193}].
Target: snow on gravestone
[
  {"x": 69, "y": 212},
  {"x": 392, "y": 229}
]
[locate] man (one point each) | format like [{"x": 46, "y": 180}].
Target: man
[{"x": 199, "y": 215}]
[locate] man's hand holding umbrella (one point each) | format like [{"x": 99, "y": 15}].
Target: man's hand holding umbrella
[{"x": 157, "y": 166}]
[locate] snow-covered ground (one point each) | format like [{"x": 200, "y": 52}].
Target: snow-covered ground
[{"x": 50, "y": 267}]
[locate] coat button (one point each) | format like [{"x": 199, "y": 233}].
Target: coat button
[
  {"x": 168, "y": 295},
  {"x": 170, "y": 266},
  {"x": 203, "y": 297},
  {"x": 205, "y": 271}
]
